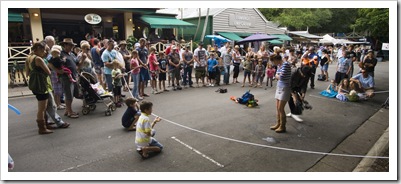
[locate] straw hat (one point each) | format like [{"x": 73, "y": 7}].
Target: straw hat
[
  {"x": 122, "y": 42},
  {"x": 67, "y": 41}
]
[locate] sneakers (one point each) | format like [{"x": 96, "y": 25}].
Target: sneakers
[{"x": 295, "y": 117}]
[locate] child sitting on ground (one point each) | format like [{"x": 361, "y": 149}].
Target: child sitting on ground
[
  {"x": 58, "y": 63},
  {"x": 131, "y": 115},
  {"x": 117, "y": 82},
  {"x": 144, "y": 140},
  {"x": 331, "y": 90}
]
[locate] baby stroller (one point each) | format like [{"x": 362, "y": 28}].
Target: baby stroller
[{"x": 90, "y": 96}]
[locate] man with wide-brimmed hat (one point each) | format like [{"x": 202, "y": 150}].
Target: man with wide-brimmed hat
[
  {"x": 126, "y": 56},
  {"x": 70, "y": 61}
]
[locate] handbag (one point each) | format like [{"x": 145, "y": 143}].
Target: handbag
[{"x": 37, "y": 79}]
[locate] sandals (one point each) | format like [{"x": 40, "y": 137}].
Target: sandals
[
  {"x": 140, "y": 152},
  {"x": 73, "y": 115},
  {"x": 64, "y": 125}
]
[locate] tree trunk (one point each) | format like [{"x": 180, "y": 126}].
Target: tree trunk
[
  {"x": 205, "y": 25},
  {"x": 197, "y": 28}
]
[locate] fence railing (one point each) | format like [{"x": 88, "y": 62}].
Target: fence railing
[{"x": 16, "y": 65}]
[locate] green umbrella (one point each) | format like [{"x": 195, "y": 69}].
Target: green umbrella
[{"x": 277, "y": 42}]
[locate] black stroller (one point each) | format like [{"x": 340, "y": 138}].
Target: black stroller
[{"x": 90, "y": 96}]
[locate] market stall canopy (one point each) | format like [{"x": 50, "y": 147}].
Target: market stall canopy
[
  {"x": 257, "y": 37},
  {"x": 275, "y": 42},
  {"x": 345, "y": 41},
  {"x": 231, "y": 36},
  {"x": 15, "y": 17},
  {"x": 328, "y": 39},
  {"x": 305, "y": 34},
  {"x": 218, "y": 40},
  {"x": 282, "y": 37},
  {"x": 165, "y": 22}
]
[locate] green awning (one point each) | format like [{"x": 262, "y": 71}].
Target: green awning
[
  {"x": 277, "y": 42},
  {"x": 165, "y": 22},
  {"x": 244, "y": 34},
  {"x": 282, "y": 37},
  {"x": 15, "y": 17},
  {"x": 231, "y": 36}
]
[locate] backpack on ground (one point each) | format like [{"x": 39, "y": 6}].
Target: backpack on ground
[{"x": 321, "y": 77}]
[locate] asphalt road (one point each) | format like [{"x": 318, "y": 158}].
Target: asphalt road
[{"x": 202, "y": 131}]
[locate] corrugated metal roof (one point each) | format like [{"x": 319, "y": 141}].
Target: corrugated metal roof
[
  {"x": 190, "y": 12},
  {"x": 274, "y": 30},
  {"x": 305, "y": 34}
]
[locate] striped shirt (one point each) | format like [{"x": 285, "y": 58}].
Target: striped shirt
[
  {"x": 143, "y": 126},
  {"x": 284, "y": 71}
]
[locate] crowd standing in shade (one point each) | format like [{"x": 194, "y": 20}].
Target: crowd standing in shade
[{"x": 114, "y": 67}]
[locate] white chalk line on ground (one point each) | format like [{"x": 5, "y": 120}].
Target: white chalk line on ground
[
  {"x": 198, "y": 152},
  {"x": 272, "y": 147}
]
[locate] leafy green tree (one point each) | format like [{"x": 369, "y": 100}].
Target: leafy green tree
[
  {"x": 299, "y": 18},
  {"x": 340, "y": 22},
  {"x": 373, "y": 20}
]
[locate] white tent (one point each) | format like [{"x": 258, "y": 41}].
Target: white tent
[
  {"x": 345, "y": 41},
  {"x": 328, "y": 39}
]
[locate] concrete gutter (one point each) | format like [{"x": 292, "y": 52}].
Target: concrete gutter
[{"x": 377, "y": 149}]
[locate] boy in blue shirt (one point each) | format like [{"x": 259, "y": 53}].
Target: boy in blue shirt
[
  {"x": 211, "y": 68},
  {"x": 131, "y": 115}
]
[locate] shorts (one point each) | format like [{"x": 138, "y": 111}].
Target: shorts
[
  {"x": 212, "y": 75},
  {"x": 247, "y": 73},
  {"x": 144, "y": 75},
  {"x": 117, "y": 90},
  {"x": 162, "y": 76},
  {"x": 68, "y": 88},
  {"x": 153, "y": 75},
  {"x": 99, "y": 70},
  {"x": 41, "y": 97},
  {"x": 325, "y": 67},
  {"x": 175, "y": 74},
  {"x": 283, "y": 94},
  {"x": 200, "y": 72}
]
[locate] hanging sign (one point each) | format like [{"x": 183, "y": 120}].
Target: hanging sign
[
  {"x": 385, "y": 46},
  {"x": 93, "y": 18}
]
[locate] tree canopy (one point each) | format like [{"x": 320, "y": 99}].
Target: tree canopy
[
  {"x": 298, "y": 18},
  {"x": 374, "y": 21}
]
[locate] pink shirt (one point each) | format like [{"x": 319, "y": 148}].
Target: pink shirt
[
  {"x": 152, "y": 62},
  {"x": 270, "y": 72},
  {"x": 135, "y": 63}
]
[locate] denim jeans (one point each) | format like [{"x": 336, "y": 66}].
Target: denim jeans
[
  {"x": 187, "y": 78},
  {"x": 135, "y": 80},
  {"x": 226, "y": 74},
  {"x": 51, "y": 111},
  {"x": 154, "y": 142},
  {"x": 109, "y": 82}
]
